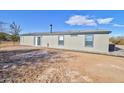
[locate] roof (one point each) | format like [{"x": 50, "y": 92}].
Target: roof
[{"x": 72, "y": 32}]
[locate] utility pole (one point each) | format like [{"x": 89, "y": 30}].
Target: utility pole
[{"x": 51, "y": 28}]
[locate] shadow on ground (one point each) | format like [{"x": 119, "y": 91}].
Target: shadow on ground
[{"x": 117, "y": 49}]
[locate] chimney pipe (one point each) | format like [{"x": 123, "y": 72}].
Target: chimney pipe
[{"x": 51, "y": 28}]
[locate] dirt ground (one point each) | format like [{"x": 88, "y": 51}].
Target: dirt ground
[{"x": 33, "y": 65}]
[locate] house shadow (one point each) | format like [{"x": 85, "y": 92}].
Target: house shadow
[
  {"x": 117, "y": 48},
  {"x": 113, "y": 47}
]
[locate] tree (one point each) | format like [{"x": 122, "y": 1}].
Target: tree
[
  {"x": 2, "y": 36},
  {"x": 15, "y": 30},
  {"x": 2, "y": 30}
]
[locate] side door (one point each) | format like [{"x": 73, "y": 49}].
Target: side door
[{"x": 38, "y": 41}]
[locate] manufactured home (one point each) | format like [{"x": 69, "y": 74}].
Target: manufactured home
[{"x": 88, "y": 40}]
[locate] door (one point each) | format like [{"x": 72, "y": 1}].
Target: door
[{"x": 38, "y": 41}]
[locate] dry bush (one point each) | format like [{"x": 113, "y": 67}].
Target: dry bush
[{"x": 117, "y": 40}]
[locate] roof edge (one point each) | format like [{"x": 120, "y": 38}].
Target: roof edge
[{"x": 69, "y": 33}]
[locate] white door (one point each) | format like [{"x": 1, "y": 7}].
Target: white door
[{"x": 37, "y": 41}]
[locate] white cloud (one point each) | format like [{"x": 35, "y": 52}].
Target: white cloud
[
  {"x": 104, "y": 20},
  {"x": 81, "y": 20},
  {"x": 118, "y": 25}
]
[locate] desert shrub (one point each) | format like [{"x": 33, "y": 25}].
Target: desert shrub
[
  {"x": 117, "y": 40},
  {"x": 3, "y": 36}
]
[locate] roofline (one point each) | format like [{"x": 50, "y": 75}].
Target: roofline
[{"x": 69, "y": 33}]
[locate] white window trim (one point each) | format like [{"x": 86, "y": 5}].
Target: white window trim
[
  {"x": 92, "y": 40},
  {"x": 60, "y": 38}
]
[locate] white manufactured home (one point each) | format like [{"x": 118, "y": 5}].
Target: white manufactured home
[{"x": 88, "y": 40}]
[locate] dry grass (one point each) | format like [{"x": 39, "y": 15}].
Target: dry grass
[
  {"x": 8, "y": 43},
  {"x": 29, "y": 64},
  {"x": 117, "y": 40},
  {"x": 46, "y": 66}
]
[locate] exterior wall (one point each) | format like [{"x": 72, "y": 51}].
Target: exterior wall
[
  {"x": 51, "y": 40},
  {"x": 101, "y": 42},
  {"x": 72, "y": 42},
  {"x": 27, "y": 40}
]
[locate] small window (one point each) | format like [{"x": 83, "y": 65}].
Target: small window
[
  {"x": 89, "y": 40},
  {"x": 61, "y": 40}
]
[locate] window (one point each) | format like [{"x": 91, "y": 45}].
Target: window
[
  {"x": 61, "y": 40},
  {"x": 89, "y": 40}
]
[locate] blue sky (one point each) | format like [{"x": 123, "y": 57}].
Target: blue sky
[{"x": 62, "y": 20}]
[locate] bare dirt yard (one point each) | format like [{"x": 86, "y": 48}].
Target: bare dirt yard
[{"x": 33, "y": 65}]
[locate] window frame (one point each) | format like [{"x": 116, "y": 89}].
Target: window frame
[{"x": 92, "y": 40}]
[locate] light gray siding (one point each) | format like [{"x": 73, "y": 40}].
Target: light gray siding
[
  {"x": 27, "y": 40},
  {"x": 71, "y": 42},
  {"x": 51, "y": 40}
]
